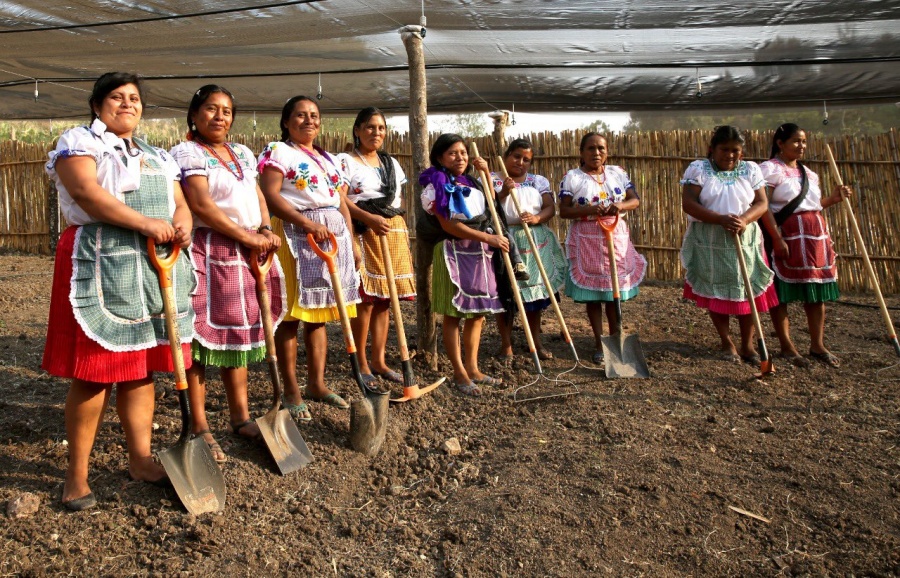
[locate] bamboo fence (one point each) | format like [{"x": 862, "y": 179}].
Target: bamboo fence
[{"x": 654, "y": 160}]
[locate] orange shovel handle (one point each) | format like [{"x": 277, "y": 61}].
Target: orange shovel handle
[
  {"x": 327, "y": 256},
  {"x": 260, "y": 269},
  {"x": 163, "y": 265},
  {"x": 608, "y": 228}
]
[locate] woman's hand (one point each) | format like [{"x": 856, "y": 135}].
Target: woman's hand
[
  {"x": 256, "y": 242},
  {"x": 378, "y": 224},
  {"x": 318, "y": 231},
  {"x": 273, "y": 240},
  {"x": 732, "y": 223},
  {"x": 157, "y": 229},
  {"x": 480, "y": 165},
  {"x": 498, "y": 242},
  {"x": 780, "y": 248},
  {"x": 530, "y": 219},
  {"x": 182, "y": 236},
  {"x": 612, "y": 210},
  {"x": 840, "y": 192},
  {"x": 508, "y": 185}
]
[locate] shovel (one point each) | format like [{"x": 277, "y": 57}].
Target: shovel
[
  {"x": 622, "y": 354},
  {"x": 411, "y": 389},
  {"x": 765, "y": 362},
  {"x": 190, "y": 465},
  {"x": 278, "y": 429},
  {"x": 368, "y": 416}
]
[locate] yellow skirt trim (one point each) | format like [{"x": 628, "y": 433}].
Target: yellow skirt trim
[{"x": 289, "y": 266}]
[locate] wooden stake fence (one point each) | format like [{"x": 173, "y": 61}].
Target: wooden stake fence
[{"x": 654, "y": 160}]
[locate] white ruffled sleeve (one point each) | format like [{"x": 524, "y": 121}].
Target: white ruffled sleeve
[
  {"x": 427, "y": 198},
  {"x": 398, "y": 172},
  {"x": 567, "y": 186},
  {"x": 542, "y": 185},
  {"x": 694, "y": 174},
  {"x": 190, "y": 160},
  {"x": 755, "y": 176},
  {"x": 173, "y": 171},
  {"x": 273, "y": 157},
  {"x": 75, "y": 142}
]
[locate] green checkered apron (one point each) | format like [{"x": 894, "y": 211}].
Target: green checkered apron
[{"x": 115, "y": 289}]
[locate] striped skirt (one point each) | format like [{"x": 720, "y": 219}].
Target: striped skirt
[{"x": 713, "y": 278}]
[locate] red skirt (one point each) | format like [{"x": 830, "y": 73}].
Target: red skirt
[{"x": 70, "y": 353}]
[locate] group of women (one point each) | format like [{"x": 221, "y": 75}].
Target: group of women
[{"x": 226, "y": 207}]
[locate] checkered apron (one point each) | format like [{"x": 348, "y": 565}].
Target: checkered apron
[
  {"x": 228, "y": 316},
  {"x": 313, "y": 278},
  {"x": 115, "y": 292},
  {"x": 552, "y": 258},
  {"x": 589, "y": 257},
  {"x": 374, "y": 278},
  {"x": 471, "y": 272},
  {"x": 812, "y": 257}
]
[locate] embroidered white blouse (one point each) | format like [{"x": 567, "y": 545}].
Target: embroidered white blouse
[
  {"x": 529, "y": 193},
  {"x": 786, "y": 183},
  {"x": 604, "y": 190},
  {"x": 237, "y": 199},
  {"x": 118, "y": 172},
  {"x": 366, "y": 181},
  {"x": 309, "y": 183},
  {"x": 725, "y": 192}
]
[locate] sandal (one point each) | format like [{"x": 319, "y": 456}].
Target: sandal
[
  {"x": 826, "y": 357},
  {"x": 597, "y": 358},
  {"x": 237, "y": 427},
  {"x": 368, "y": 378},
  {"x": 390, "y": 375},
  {"x": 79, "y": 504},
  {"x": 218, "y": 453},
  {"x": 331, "y": 399},
  {"x": 488, "y": 380},
  {"x": 796, "y": 360},
  {"x": 468, "y": 389},
  {"x": 752, "y": 359},
  {"x": 299, "y": 411}
]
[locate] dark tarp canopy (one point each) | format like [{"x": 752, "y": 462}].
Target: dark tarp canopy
[{"x": 539, "y": 55}]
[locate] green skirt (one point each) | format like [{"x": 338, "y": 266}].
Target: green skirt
[
  {"x": 226, "y": 358},
  {"x": 806, "y": 292}
]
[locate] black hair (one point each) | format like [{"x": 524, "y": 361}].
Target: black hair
[
  {"x": 585, "y": 138},
  {"x": 364, "y": 116},
  {"x": 286, "y": 111},
  {"x": 782, "y": 133},
  {"x": 202, "y": 96},
  {"x": 442, "y": 145},
  {"x": 109, "y": 82},
  {"x": 723, "y": 134},
  {"x": 519, "y": 143}
]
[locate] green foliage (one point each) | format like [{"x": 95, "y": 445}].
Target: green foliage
[
  {"x": 856, "y": 120},
  {"x": 598, "y": 126},
  {"x": 466, "y": 125}
]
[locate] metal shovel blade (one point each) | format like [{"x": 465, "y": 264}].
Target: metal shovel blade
[
  {"x": 623, "y": 356},
  {"x": 196, "y": 477},
  {"x": 284, "y": 441}
]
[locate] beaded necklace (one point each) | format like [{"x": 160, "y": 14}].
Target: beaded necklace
[
  {"x": 311, "y": 153},
  {"x": 238, "y": 173}
]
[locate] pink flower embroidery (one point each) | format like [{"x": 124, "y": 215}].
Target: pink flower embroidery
[{"x": 314, "y": 179}]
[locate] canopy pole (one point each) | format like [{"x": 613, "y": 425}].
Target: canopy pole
[
  {"x": 418, "y": 132},
  {"x": 501, "y": 121}
]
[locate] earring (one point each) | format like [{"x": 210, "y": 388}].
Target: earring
[{"x": 355, "y": 141}]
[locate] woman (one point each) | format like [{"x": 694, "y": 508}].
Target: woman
[
  {"x": 230, "y": 220},
  {"x": 106, "y": 316},
  {"x": 464, "y": 285},
  {"x": 306, "y": 190},
  {"x": 536, "y": 201},
  {"x": 376, "y": 199},
  {"x": 804, "y": 259},
  {"x": 591, "y": 192},
  {"x": 723, "y": 196}
]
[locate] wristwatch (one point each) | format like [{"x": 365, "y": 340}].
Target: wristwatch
[{"x": 264, "y": 228}]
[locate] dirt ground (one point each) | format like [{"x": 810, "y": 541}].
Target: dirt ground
[{"x": 649, "y": 477}]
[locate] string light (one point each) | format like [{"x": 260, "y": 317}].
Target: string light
[
  {"x": 254, "y": 122},
  {"x": 824, "y": 113},
  {"x": 319, "y": 94},
  {"x": 423, "y": 20},
  {"x": 35, "y": 90},
  {"x": 699, "y": 86},
  {"x": 512, "y": 117}
]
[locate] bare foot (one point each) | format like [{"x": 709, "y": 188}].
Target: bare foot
[
  {"x": 146, "y": 470},
  {"x": 74, "y": 489}
]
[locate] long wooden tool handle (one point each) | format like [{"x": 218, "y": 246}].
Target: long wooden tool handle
[
  {"x": 861, "y": 246},
  {"x": 395, "y": 299},
  {"x": 498, "y": 230},
  {"x": 613, "y": 274},
  {"x": 537, "y": 259},
  {"x": 265, "y": 315},
  {"x": 742, "y": 265}
]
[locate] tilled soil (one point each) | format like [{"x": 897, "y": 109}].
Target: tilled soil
[{"x": 701, "y": 470}]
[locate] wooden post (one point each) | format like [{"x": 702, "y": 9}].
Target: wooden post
[
  {"x": 418, "y": 132},
  {"x": 501, "y": 121}
]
